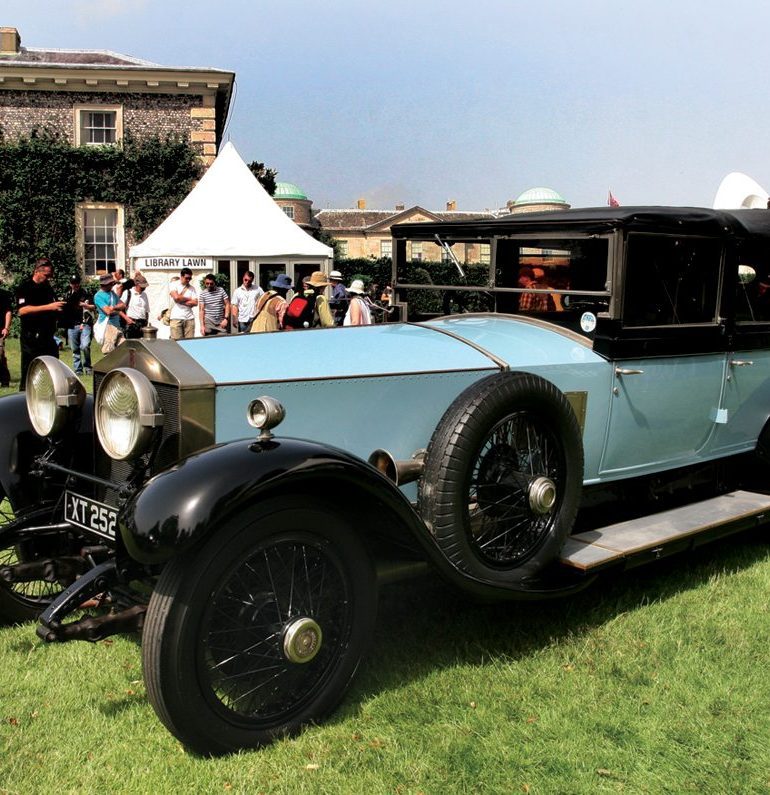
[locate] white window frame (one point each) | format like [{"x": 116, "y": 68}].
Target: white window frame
[
  {"x": 485, "y": 253},
  {"x": 81, "y": 137},
  {"x": 342, "y": 248},
  {"x": 416, "y": 251},
  {"x": 120, "y": 233},
  {"x": 289, "y": 210},
  {"x": 386, "y": 248}
]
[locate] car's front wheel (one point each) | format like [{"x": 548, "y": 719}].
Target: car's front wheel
[{"x": 260, "y": 630}]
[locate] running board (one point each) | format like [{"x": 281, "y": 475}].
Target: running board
[{"x": 649, "y": 537}]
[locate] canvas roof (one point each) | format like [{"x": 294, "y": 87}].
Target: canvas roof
[{"x": 229, "y": 214}]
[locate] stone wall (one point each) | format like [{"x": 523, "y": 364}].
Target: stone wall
[{"x": 143, "y": 114}]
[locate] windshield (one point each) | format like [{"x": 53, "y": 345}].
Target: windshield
[{"x": 558, "y": 279}]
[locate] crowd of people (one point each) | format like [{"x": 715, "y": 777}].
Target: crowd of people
[{"x": 120, "y": 310}]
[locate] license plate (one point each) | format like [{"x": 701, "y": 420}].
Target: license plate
[{"x": 96, "y": 517}]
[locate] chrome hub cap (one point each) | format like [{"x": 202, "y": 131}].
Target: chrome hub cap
[
  {"x": 542, "y": 495},
  {"x": 302, "y": 640}
]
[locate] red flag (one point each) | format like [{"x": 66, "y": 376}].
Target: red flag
[{"x": 611, "y": 200}]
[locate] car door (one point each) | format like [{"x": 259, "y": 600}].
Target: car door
[
  {"x": 669, "y": 362},
  {"x": 746, "y": 397}
]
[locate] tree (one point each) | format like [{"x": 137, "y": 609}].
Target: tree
[{"x": 266, "y": 176}]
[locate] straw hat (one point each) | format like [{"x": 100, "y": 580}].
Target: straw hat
[{"x": 318, "y": 279}]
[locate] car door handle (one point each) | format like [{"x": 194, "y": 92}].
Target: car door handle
[
  {"x": 624, "y": 371},
  {"x": 740, "y": 363}
]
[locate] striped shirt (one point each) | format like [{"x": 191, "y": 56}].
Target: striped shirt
[{"x": 213, "y": 302}]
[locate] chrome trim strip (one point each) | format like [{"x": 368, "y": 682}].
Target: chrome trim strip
[{"x": 502, "y": 364}]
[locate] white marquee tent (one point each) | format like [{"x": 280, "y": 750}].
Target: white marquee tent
[
  {"x": 739, "y": 191},
  {"x": 227, "y": 223}
]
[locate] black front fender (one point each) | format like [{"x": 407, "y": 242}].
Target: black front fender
[
  {"x": 185, "y": 504},
  {"x": 20, "y": 445}
]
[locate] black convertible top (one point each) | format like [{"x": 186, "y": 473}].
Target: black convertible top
[{"x": 598, "y": 220}]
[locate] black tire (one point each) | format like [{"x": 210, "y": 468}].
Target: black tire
[
  {"x": 214, "y": 648},
  {"x": 504, "y": 449},
  {"x": 23, "y": 601}
]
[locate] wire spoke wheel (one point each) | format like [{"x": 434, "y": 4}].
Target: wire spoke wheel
[
  {"x": 260, "y": 630},
  {"x": 502, "y": 478},
  {"x": 23, "y": 600},
  {"x": 505, "y": 520},
  {"x": 284, "y": 586}
]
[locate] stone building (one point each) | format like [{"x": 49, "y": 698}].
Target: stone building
[
  {"x": 537, "y": 200},
  {"x": 293, "y": 201},
  {"x": 94, "y": 98},
  {"x": 366, "y": 233}
]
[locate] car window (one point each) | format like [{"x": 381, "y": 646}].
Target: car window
[
  {"x": 752, "y": 287},
  {"x": 671, "y": 280}
]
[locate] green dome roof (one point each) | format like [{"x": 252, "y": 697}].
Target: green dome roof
[
  {"x": 540, "y": 196},
  {"x": 287, "y": 190}
]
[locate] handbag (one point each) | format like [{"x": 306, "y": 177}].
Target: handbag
[
  {"x": 113, "y": 336},
  {"x": 99, "y": 328}
]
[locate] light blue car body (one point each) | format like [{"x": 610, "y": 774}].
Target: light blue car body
[{"x": 387, "y": 386}]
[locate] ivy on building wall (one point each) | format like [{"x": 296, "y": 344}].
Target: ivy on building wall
[{"x": 43, "y": 178}]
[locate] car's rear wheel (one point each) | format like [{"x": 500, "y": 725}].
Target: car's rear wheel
[
  {"x": 260, "y": 630},
  {"x": 22, "y": 600},
  {"x": 502, "y": 477}
]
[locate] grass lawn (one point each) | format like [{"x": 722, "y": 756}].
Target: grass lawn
[
  {"x": 656, "y": 681},
  {"x": 14, "y": 364}
]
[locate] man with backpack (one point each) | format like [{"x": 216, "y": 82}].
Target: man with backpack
[{"x": 310, "y": 309}]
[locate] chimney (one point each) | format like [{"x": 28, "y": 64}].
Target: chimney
[
  {"x": 10, "y": 41},
  {"x": 361, "y": 204},
  {"x": 400, "y": 207},
  {"x": 451, "y": 205}
]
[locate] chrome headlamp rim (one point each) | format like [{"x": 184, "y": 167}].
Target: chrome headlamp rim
[
  {"x": 265, "y": 413},
  {"x": 148, "y": 417},
  {"x": 67, "y": 393}
]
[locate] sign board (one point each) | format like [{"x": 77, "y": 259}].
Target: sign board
[{"x": 174, "y": 263}]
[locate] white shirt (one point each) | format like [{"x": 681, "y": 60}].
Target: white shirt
[
  {"x": 246, "y": 301},
  {"x": 180, "y": 311},
  {"x": 138, "y": 305}
]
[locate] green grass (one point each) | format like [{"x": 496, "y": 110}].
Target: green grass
[
  {"x": 655, "y": 682},
  {"x": 14, "y": 364}
]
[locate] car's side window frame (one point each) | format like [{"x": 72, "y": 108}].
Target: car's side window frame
[{"x": 618, "y": 339}]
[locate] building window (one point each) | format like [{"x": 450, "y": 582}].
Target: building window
[
  {"x": 484, "y": 253},
  {"x": 101, "y": 240},
  {"x": 98, "y": 125},
  {"x": 342, "y": 247},
  {"x": 386, "y": 248},
  {"x": 416, "y": 251},
  {"x": 289, "y": 211}
]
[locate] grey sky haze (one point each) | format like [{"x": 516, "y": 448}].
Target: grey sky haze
[{"x": 425, "y": 101}]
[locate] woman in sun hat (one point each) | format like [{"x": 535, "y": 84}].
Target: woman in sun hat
[
  {"x": 358, "y": 313},
  {"x": 271, "y": 307}
]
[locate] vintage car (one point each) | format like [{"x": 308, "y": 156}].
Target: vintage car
[{"x": 565, "y": 393}]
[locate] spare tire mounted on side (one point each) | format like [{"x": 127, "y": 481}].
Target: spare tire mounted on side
[{"x": 502, "y": 479}]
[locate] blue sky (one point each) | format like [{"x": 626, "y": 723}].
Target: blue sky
[{"x": 424, "y": 101}]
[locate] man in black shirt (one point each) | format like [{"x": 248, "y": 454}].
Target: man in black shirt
[
  {"x": 39, "y": 312},
  {"x": 5, "y": 327},
  {"x": 78, "y": 325}
]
